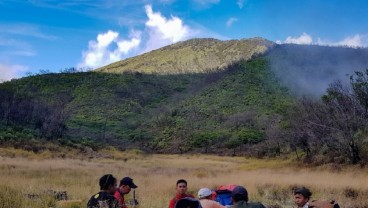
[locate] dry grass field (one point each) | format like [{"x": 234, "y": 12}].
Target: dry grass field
[{"x": 24, "y": 180}]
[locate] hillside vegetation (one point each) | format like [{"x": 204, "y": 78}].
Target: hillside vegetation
[{"x": 228, "y": 104}]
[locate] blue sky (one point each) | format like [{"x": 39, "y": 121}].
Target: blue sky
[{"x": 52, "y": 35}]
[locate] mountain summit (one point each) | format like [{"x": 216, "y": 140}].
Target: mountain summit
[{"x": 192, "y": 56}]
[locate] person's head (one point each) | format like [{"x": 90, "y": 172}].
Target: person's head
[
  {"x": 204, "y": 193},
  {"x": 108, "y": 183},
  {"x": 126, "y": 184},
  {"x": 301, "y": 196},
  {"x": 181, "y": 186},
  {"x": 188, "y": 203},
  {"x": 239, "y": 193}
]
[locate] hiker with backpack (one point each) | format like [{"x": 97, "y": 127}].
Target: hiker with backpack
[
  {"x": 105, "y": 198},
  {"x": 181, "y": 189},
  {"x": 205, "y": 198},
  {"x": 239, "y": 196}
]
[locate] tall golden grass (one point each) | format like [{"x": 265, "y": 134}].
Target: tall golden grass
[{"x": 268, "y": 181}]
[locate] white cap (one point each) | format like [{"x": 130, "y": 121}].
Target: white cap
[{"x": 204, "y": 192}]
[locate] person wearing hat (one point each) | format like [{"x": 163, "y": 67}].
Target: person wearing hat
[
  {"x": 126, "y": 184},
  {"x": 239, "y": 196},
  {"x": 181, "y": 189},
  {"x": 105, "y": 198},
  {"x": 301, "y": 197},
  {"x": 204, "y": 196}
]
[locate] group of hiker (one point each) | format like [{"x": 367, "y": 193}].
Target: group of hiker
[{"x": 112, "y": 196}]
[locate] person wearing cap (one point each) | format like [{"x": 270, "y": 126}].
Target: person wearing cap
[
  {"x": 126, "y": 184},
  {"x": 302, "y": 196},
  {"x": 105, "y": 198},
  {"x": 204, "y": 196},
  {"x": 239, "y": 196},
  {"x": 181, "y": 189}
]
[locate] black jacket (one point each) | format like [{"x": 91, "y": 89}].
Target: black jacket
[
  {"x": 244, "y": 204},
  {"x": 103, "y": 200}
]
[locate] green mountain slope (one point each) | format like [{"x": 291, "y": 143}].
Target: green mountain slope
[
  {"x": 143, "y": 111},
  {"x": 233, "y": 110},
  {"x": 201, "y": 94}
]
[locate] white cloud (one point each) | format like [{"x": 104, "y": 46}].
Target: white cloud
[
  {"x": 164, "y": 31},
  {"x": 172, "y": 29},
  {"x": 159, "y": 31},
  {"x": 99, "y": 52},
  {"x": 357, "y": 40},
  {"x": 230, "y": 21},
  {"x": 240, "y": 3},
  {"x": 8, "y": 72},
  {"x": 354, "y": 41},
  {"x": 303, "y": 39}
]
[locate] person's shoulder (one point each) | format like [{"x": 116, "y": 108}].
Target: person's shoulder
[
  {"x": 172, "y": 201},
  {"x": 174, "y": 198},
  {"x": 96, "y": 196},
  {"x": 214, "y": 203},
  {"x": 93, "y": 201},
  {"x": 190, "y": 195},
  {"x": 117, "y": 194},
  {"x": 105, "y": 195}
]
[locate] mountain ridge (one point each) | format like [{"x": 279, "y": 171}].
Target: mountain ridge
[{"x": 200, "y": 55}]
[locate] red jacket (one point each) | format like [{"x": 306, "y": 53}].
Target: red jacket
[
  {"x": 120, "y": 198},
  {"x": 177, "y": 197}
]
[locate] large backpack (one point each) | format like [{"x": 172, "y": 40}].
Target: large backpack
[
  {"x": 223, "y": 194},
  {"x": 323, "y": 204}
]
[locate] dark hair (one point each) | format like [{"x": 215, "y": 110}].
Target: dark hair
[
  {"x": 240, "y": 197},
  {"x": 187, "y": 203},
  {"x": 239, "y": 193},
  {"x": 181, "y": 181},
  {"x": 106, "y": 181},
  {"x": 303, "y": 191}
]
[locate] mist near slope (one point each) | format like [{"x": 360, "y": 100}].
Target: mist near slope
[{"x": 308, "y": 70}]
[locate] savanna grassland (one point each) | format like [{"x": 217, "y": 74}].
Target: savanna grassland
[{"x": 27, "y": 175}]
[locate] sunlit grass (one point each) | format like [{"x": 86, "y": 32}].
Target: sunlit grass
[{"x": 268, "y": 181}]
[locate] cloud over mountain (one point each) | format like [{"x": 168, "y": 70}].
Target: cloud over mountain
[
  {"x": 354, "y": 41},
  {"x": 159, "y": 31}
]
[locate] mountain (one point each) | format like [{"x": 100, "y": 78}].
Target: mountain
[
  {"x": 192, "y": 56},
  {"x": 200, "y": 94}
]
